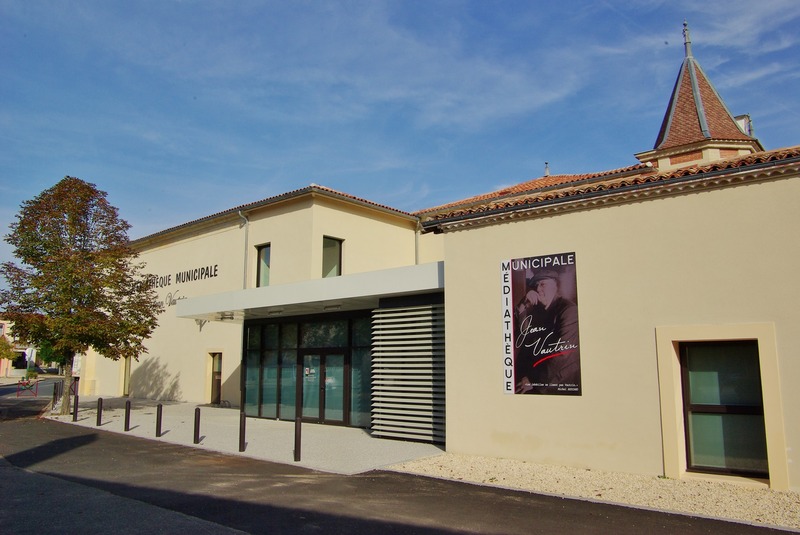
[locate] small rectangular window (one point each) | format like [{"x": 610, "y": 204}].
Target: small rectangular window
[
  {"x": 723, "y": 408},
  {"x": 331, "y": 257},
  {"x": 262, "y": 277}
]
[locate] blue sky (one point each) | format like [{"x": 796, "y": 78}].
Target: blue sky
[{"x": 179, "y": 109}]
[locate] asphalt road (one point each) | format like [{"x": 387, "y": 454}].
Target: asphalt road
[{"x": 59, "y": 478}]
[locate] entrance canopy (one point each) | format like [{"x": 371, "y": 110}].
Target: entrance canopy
[{"x": 348, "y": 292}]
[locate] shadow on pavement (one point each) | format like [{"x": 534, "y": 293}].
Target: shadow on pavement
[
  {"x": 48, "y": 450},
  {"x": 259, "y": 517}
]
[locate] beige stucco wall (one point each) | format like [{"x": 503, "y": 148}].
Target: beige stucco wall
[
  {"x": 430, "y": 248},
  {"x": 287, "y": 227},
  {"x": 372, "y": 240},
  {"x": 177, "y": 365},
  {"x": 723, "y": 257}
]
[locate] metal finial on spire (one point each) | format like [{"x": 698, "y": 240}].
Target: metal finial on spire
[{"x": 687, "y": 40}]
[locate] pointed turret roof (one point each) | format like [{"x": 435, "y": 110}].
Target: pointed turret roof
[
  {"x": 696, "y": 117},
  {"x": 695, "y": 112}
]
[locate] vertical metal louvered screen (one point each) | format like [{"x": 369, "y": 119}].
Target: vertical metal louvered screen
[{"x": 408, "y": 373}]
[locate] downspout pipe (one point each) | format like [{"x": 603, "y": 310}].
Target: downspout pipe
[
  {"x": 246, "y": 225},
  {"x": 416, "y": 242}
]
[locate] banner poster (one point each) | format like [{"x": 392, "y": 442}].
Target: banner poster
[{"x": 541, "y": 346}]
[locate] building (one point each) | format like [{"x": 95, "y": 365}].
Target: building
[
  {"x": 637, "y": 320},
  {"x": 25, "y": 356},
  {"x": 300, "y": 278}
]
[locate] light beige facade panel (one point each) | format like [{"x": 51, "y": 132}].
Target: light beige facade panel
[
  {"x": 99, "y": 376},
  {"x": 430, "y": 248},
  {"x": 175, "y": 367},
  {"x": 371, "y": 240},
  {"x": 172, "y": 371},
  {"x": 287, "y": 228},
  {"x": 209, "y": 262},
  {"x": 722, "y": 257}
]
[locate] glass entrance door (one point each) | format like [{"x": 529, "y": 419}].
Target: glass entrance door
[
  {"x": 312, "y": 400},
  {"x": 334, "y": 388},
  {"x": 323, "y": 387}
]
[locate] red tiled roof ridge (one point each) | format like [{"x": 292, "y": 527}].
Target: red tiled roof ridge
[
  {"x": 536, "y": 184},
  {"x": 541, "y": 195},
  {"x": 734, "y": 162},
  {"x": 310, "y": 189}
]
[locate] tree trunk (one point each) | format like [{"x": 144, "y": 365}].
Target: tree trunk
[{"x": 65, "y": 395}]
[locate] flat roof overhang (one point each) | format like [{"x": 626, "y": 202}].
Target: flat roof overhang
[{"x": 358, "y": 291}]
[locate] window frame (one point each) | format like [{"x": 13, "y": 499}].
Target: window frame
[
  {"x": 668, "y": 339},
  {"x": 690, "y": 408},
  {"x": 259, "y": 249},
  {"x": 340, "y": 245}
]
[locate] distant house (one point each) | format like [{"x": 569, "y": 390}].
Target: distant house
[
  {"x": 18, "y": 366},
  {"x": 641, "y": 319}
]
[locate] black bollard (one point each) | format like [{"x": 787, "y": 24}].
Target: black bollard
[
  {"x": 74, "y": 387},
  {"x": 242, "y": 421},
  {"x": 127, "y": 415},
  {"x": 197, "y": 425},
  {"x": 57, "y": 390},
  {"x": 297, "y": 423},
  {"x": 159, "y": 411},
  {"x": 99, "y": 411}
]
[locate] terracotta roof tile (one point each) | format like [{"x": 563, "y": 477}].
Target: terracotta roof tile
[
  {"x": 536, "y": 184},
  {"x": 578, "y": 185},
  {"x": 696, "y": 112}
]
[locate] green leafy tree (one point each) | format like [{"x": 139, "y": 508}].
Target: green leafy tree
[
  {"x": 78, "y": 285},
  {"x": 7, "y": 349},
  {"x": 46, "y": 353}
]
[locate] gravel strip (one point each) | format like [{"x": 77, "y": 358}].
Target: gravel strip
[{"x": 760, "y": 506}]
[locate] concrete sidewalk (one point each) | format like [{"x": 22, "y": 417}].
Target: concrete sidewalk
[{"x": 333, "y": 449}]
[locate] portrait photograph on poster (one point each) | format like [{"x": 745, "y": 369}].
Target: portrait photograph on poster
[{"x": 541, "y": 344}]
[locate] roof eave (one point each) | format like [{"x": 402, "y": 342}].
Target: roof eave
[
  {"x": 233, "y": 214},
  {"x": 666, "y": 184},
  {"x": 483, "y": 199}
]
